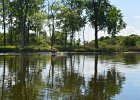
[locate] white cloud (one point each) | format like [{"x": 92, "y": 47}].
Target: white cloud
[
  {"x": 89, "y": 32},
  {"x": 129, "y": 30},
  {"x": 137, "y": 17}
]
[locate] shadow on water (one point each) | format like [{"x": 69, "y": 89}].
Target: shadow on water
[{"x": 44, "y": 77}]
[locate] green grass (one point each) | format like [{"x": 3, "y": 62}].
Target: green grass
[
  {"x": 105, "y": 48},
  {"x": 8, "y": 48},
  {"x": 25, "y": 49}
]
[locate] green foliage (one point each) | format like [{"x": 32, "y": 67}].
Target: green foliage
[
  {"x": 114, "y": 21},
  {"x": 120, "y": 43},
  {"x": 1, "y": 39},
  {"x": 71, "y": 18},
  {"x": 25, "y": 20},
  {"x": 22, "y": 16},
  {"x": 129, "y": 41},
  {"x": 7, "y": 48},
  {"x": 112, "y": 48},
  {"x": 37, "y": 20},
  {"x": 102, "y": 15},
  {"x": 26, "y": 49},
  {"x": 96, "y": 12}
]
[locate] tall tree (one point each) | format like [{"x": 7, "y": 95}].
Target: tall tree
[
  {"x": 71, "y": 17},
  {"x": 102, "y": 15},
  {"x": 96, "y": 13},
  {"x": 53, "y": 13},
  {"x": 22, "y": 12}
]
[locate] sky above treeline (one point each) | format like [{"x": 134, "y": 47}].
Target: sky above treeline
[{"x": 130, "y": 10}]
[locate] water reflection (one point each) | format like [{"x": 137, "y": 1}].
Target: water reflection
[
  {"x": 20, "y": 81},
  {"x": 3, "y": 78},
  {"x": 45, "y": 77},
  {"x": 130, "y": 59}
]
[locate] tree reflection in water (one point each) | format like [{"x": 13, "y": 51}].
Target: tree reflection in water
[
  {"x": 104, "y": 86},
  {"x": 22, "y": 78},
  {"x": 3, "y": 79},
  {"x": 72, "y": 86}
]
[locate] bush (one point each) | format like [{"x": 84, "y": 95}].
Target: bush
[{"x": 129, "y": 41}]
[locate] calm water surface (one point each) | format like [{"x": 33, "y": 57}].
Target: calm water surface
[{"x": 69, "y": 77}]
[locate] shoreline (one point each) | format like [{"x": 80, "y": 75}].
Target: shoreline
[
  {"x": 70, "y": 52},
  {"x": 12, "y": 49}
]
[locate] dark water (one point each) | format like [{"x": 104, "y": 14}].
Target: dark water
[{"x": 69, "y": 77}]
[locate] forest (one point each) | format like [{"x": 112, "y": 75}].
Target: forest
[{"x": 41, "y": 25}]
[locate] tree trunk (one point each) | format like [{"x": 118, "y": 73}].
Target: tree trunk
[
  {"x": 28, "y": 29},
  {"x": 53, "y": 28},
  {"x": 96, "y": 9},
  {"x": 15, "y": 38},
  {"x": 23, "y": 35},
  {"x": 11, "y": 30},
  {"x": 62, "y": 40},
  {"x": 25, "y": 20},
  {"x": 66, "y": 40},
  {"x": 84, "y": 36},
  {"x": 24, "y": 23},
  {"x": 23, "y": 5},
  {"x": 21, "y": 18},
  {"x": 96, "y": 38},
  {"x": 71, "y": 38},
  {"x": 52, "y": 38},
  {"x": 4, "y": 26}
]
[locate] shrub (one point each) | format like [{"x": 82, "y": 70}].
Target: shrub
[{"x": 129, "y": 41}]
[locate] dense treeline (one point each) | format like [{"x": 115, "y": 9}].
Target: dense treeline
[
  {"x": 118, "y": 43},
  {"x": 23, "y": 22},
  {"x": 19, "y": 18}
]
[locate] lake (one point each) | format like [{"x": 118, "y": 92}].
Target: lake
[{"x": 40, "y": 76}]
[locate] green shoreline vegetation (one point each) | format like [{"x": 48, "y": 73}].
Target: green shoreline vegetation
[
  {"x": 23, "y": 26},
  {"x": 107, "y": 44}
]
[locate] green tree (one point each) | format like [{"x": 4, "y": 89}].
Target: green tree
[
  {"x": 96, "y": 13},
  {"x": 71, "y": 18},
  {"x": 3, "y": 10},
  {"x": 23, "y": 16},
  {"x": 114, "y": 21}
]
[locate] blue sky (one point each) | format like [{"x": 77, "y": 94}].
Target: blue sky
[{"x": 130, "y": 10}]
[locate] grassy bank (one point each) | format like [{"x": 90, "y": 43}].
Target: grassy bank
[
  {"x": 79, "y": 49},
  {"x": 25, "y": 49}
]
